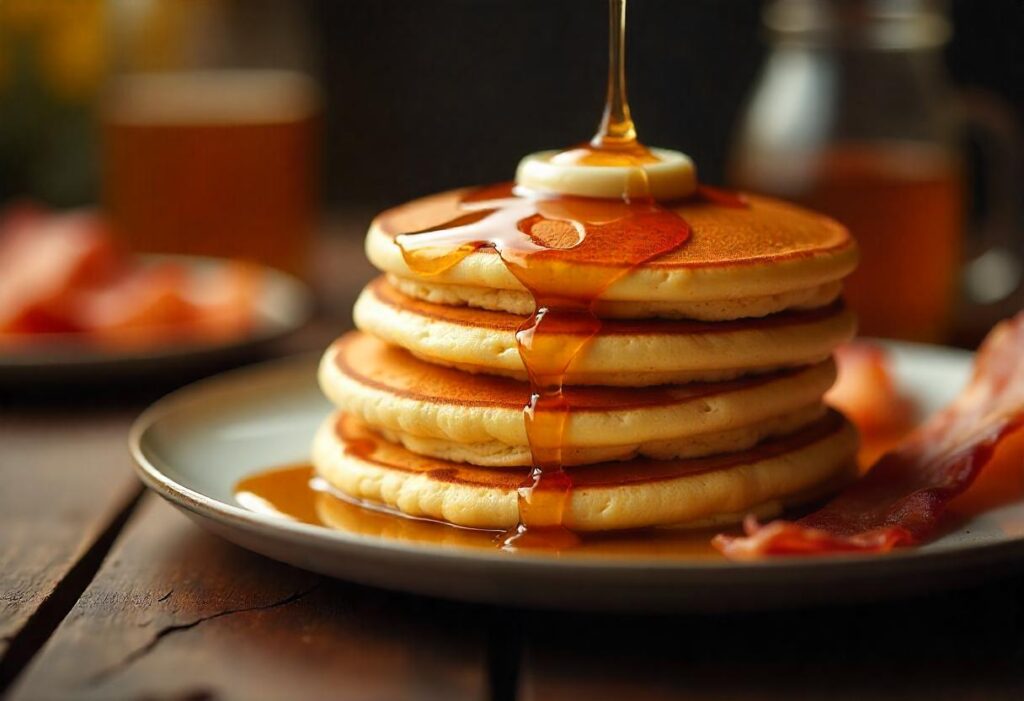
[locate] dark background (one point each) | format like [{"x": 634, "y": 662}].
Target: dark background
[{"x": 429, "y": 94}]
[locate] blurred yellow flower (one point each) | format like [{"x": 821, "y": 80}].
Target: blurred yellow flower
[{"x": 65, "y": 40}]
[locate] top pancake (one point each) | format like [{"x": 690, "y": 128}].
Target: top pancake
[{"x": 768, "y": 248}]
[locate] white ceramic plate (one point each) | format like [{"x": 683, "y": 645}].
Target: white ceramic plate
[
  {"x": 284, "y": 306},
  {"x": 195, "y": 444}
]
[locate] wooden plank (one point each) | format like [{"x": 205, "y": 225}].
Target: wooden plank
[
  {"x": 66, "y": 477},
  {"x": 177, "y": 613},
  {"x": 963, "y": 645}
]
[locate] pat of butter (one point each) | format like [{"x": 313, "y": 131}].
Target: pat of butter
[{"x": 672, "y": 176}]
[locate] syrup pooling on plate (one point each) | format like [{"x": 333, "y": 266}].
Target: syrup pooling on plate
[
  {"x": 295, "y": 493},
  {"x": 532, "y": 232}
]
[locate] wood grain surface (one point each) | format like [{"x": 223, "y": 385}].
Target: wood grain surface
[
  {"x": 66, "y": 478},
  {"x": 175, "y": 613},
  {"x": 105, "y": 596}
]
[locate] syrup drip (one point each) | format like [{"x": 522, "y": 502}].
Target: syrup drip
[
  {"x": 543, "y": 238},
  {"x": 529, "y": 231},
  {"x": 294, "y": 492}
]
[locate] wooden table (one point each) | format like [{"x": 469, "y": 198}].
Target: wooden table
[{"x": 107, "y": 592}]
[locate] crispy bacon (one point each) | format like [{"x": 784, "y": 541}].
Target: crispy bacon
[
  {"x": 866, "y": 393},
  {"x": 901, "y": 499},
  {"x": 167, "y": 302},
  {"x": 868, "y": 396},
  {"x": 61, "y": 273},
  {"x": 44, "y": 259}
]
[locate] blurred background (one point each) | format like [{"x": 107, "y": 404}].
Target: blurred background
[{"x": 272, "y": 130}]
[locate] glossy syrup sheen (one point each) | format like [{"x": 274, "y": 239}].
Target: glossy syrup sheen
[
  {"x": 541, "y": 238},
  {"x": 529, "y": 232},
  {"x": 729, "y": 231},
  {"x": 537, "y": 235},
  {"x": 293, "y": 492}
]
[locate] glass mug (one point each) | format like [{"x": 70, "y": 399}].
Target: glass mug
[
  {"x": 853, "y": 117},
  {"x": 209, "y": 131},
  {"x": 212, "y": 163}
]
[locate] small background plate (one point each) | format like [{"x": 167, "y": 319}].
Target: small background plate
[{"x": 284, "y": 306}]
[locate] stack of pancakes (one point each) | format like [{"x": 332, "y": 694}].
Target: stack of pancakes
[{"x": 698, "y": 401}]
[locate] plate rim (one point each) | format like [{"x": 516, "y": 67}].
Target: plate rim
[{"x": 213, "y": 508}]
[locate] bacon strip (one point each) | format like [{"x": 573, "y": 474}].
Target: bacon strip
[
  {"x": 62, "y": 274},
  {"x": 900, "y": 500},
  {"x": 866, "y": 393}
]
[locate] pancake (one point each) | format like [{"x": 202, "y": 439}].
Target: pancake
[
  {"x": 496, "y": 455},
  {"x": 624, "y": 353},
  {"x": 610, "y": 496},
  {"x": 521, "y": 302},
  {"x": 767, "y": 249},
  {"x": 453, "y": 415}
]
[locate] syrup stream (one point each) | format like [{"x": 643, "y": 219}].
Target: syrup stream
[
  {"x": 528, "y": 230},
  {"x": 617, "y": 129},
  {"x": 532, "y": 233}
]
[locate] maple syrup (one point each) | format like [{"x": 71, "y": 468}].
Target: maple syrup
[
  {"x": 904, "y": 204},
  {"x": 540, "y": 237},
  {"x": 294, "y": 492},
  {"x": 529, "y": 230},
  {"x": 254, "y": 195},
  {"x": 615, "y": 143}
]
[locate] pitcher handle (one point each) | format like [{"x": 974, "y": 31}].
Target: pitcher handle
[{"x": 993, "y": 273}]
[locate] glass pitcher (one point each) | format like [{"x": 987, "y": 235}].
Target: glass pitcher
[
  {"x": 209, "y": 128},
  {"x": 853, "y": 116}
]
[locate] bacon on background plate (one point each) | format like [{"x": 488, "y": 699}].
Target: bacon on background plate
[
  {"x": 44, "y": 260},
  {"x": 61, "y": 274},
  {"x": 902, "y": 498}
]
